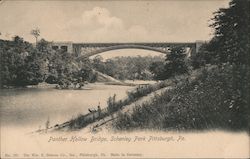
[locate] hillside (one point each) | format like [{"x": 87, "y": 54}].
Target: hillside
[
  {"x": 203, "y": 100},
  {"x": 106, "y": 78},
  {"x": 216, "y": 99}
]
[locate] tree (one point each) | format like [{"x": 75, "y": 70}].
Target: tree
[
  {"x": 157, "y": 69},
  {"x": 35, "y": 33},
  {"x": 175, "y": 62},
  {"x": 232, "y": 33},
  {"x": 230, "y": 45},
  {"x": 43, "y": 45},
  {"x": 20, "y": 64},
  {"x": 204, "y": 56},
  {"x": 98, "y": 63}
]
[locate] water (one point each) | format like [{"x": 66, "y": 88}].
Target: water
[{"x": 33, "y": 106}]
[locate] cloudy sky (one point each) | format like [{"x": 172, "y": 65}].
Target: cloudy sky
[{"x": 109, "y": 21}]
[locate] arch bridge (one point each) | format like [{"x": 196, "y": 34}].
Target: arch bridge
[{"x": 90, "y": 49}]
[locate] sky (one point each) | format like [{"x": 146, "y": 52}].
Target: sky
[{"x": 109, "y": 21}]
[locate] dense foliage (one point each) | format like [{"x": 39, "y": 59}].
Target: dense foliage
[
  {"x": 232, "y": 25},
  {"x": 20, "y": 63},
  {"x": 23, "y": 64},
  {"x": 231, "y": 38},
  {"x": 230, "y": 46}
]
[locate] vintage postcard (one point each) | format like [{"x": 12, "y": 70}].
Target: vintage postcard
[{"x": 124, "y": 79}]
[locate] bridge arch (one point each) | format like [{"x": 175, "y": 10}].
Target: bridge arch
[
  {"x": 119, "y": 47},
  {"x": 90, "y": 49}
]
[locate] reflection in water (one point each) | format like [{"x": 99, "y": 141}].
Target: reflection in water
[{"x": 32, "y": 107}]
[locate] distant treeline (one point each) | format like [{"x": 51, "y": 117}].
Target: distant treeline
[
  {"x": 144, "y": 68},
  {"x": 127, "y": 68},
  {"x": 23, "y": 64}
]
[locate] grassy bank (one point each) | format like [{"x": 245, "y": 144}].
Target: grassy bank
[{"x": 218, "y": 98}]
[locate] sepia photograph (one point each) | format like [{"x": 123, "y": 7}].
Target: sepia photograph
[{"x": 127, "y": 79}]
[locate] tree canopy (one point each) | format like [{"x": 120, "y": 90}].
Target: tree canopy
[
  {"x": 232, "y": 33},
  {"x": 23, "y": 64}
]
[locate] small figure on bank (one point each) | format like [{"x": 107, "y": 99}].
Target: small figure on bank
[
  {"x": 99, "y": 110},
  {"x": 47, "y": 125}
]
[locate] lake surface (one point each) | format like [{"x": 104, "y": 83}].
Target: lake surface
[{"x": 31, "y": 107}]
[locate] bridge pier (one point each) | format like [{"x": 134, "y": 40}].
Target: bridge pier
[
  {"x": 77, "y": 50},
  {"x": 198, "y": 45},
  {"x": 65, "y": 46}
]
